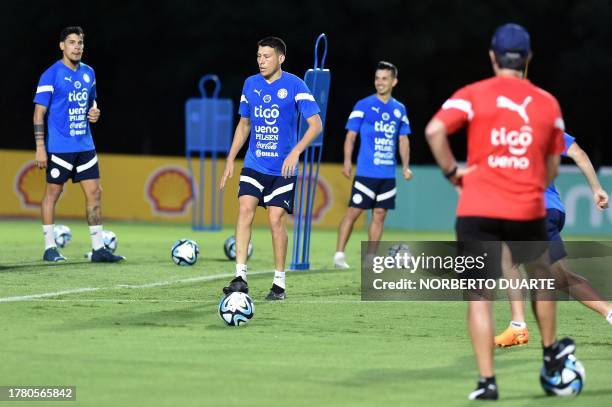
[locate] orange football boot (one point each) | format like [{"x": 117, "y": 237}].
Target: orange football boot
[{"x": 512, "y": 337}]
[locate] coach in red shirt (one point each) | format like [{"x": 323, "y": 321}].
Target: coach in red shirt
[{"x": 515, "y": 138}]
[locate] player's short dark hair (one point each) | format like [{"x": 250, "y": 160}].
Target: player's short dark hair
[
  {"x": 71, "y": 30},
  {"x": 511, "y": 60},
  {"x": 274, "y": 42},
  {"x": 387, "y": 66}
]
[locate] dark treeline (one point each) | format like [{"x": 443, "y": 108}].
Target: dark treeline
[{"x": 149, "y": 56}]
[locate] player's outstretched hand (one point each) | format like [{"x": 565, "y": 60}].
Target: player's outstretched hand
[
  {"x": 407, "y": 174},
  {"x": 347, "y": 169},
  {"x": 600, "y": 197},
  {"x": 290, "y": 164},
  {"x": 228, "y": 172},
  {"x": 41, "y": 158},
  {"x": 94, "y": 114}
]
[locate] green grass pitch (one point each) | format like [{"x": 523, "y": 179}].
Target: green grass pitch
[{"x": 147, "y": 333}]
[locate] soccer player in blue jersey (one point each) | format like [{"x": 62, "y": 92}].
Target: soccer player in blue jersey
[
  {"x": 517, "y": 333},
  {"x": 66, "y": 94},
  {"x": 382, "y": 123},
  {"x": 270, "y": 105}
]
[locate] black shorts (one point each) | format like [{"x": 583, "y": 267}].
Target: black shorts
[
  {"x": 527, "y": 240},
  {"x": 368, "y": 193},
  {"x": 555, "y": 220},
  {"x": 271, "y": 190},
  {"x": 76, "y": 166}
]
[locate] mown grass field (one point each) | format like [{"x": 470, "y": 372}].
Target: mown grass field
[{"x": 146, "y": 332}]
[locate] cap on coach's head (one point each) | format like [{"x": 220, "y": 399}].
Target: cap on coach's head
[
  {"x": 512, "y": 46},
  {"x": 511, "y": 39}
]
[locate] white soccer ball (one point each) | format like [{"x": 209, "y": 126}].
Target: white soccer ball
[
  {"x": 568, "y": 382},
  {"x": 185, "y": 252},
  {"x": 110, "y": 240},
  {"x": 229, "y": 248},
  {"x": 62, "y": 235},
  {"x": 236, "y": 309}
]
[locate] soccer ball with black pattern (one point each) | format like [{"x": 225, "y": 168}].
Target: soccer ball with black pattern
[
  {"x": 236, "y": 309},
  {"x": 185, "y": 252},
  {"x": 110, "y": 240},
  {"x": 62, "y": 235},
  {"x": 229, "y": 248},
  {"x": 567, "y": 381}
]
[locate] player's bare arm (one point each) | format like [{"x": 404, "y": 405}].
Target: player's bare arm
[
  {"x": 552, "y": 167},
  {"x": 315, "y": 127},
  {"x": 404, "y": 152},
  {"x": 243, "y": 129},
  {"x": 436, "y": 135},
  {"x": 39, "y": 135},
  {"x": 349, "y": 145},
  {"x": 581, "y": 158}
]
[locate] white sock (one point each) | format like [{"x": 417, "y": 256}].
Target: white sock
[
  {"x": 96, "y": 237},
  {"x": 49, "y": 236},
  {"x": 339, "y": 255},
  {"x": 241, "y": 270},
  {"x": 518, "y": 325},
  {"x": 279, "y": 279},
  {"x": 609, "y": 317}
]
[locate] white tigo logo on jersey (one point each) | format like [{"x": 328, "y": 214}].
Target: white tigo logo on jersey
[
  {"x": 82, "y": 97},
  {"x": 517, "y": 141},
  {"x": 269, "y": 114},
  {"x": 387, "y": 128}
]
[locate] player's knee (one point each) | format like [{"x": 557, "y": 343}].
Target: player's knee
[
  {"x": 246, "y": 211},
  {"x": 353, "y": 213},
  {"x": 54, "y": 191},
  {"x": 379, "y": 214},
  {"x": 276, "y": 222},
  {"x": 94, "y": 194}
]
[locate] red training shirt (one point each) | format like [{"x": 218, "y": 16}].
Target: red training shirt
[{"x": 513, "y": 126}]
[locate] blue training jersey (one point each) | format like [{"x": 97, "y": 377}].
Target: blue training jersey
[
  {"x": 551, "y": 195},
  {"x": 274, "y": 109},
  {"x": 379, "y": 125},
  {"x": 68, "y": 95}
]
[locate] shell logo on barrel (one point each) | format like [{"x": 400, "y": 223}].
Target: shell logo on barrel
[
  {"x": 168, "y": 190},
  {"x": 30, "y": 185},
  {"x": 322, "y": 200}
]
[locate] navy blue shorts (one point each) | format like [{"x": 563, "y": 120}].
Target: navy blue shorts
[
  {"x": 371, "y": 193},
  {"x": 76, "y": 166},
  {"x": 555, "y": 220},
  {"x": 271, "y": 190}
]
